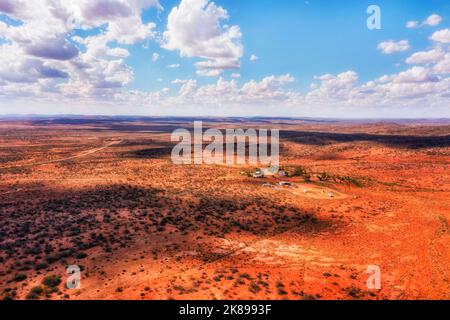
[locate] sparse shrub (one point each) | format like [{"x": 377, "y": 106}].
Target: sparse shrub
[
  {"x": 80, "y": 255},
  {"x": 40, "y": 266},
  {"x": 51, "y": 258},
  {"x": 298, "y": 172},
  {"x": 324, "y": 176},
  {"x": 52, "y": 281},
  {"x": 254, "y": 288},
  {"x": 245, "y": 276},
  {"x": 282, "y": 292},
  {"x": 35, "y": 293},
  {"x": 19, "y": 277},
  {"x": 350, "y": 180}
]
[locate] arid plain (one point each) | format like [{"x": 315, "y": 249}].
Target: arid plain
[{"x": 103, "y": 193}]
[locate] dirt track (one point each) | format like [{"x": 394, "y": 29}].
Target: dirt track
[{"x": 78, "y": 155}]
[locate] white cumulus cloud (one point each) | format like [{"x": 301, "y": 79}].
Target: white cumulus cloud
[
  {"x": 426, "y": 57},
  {"x": 412, "y": 24},
  {"x": 433, "y": 20},
  {"x": 53, "y": 60},
  {"x": 391, "y": 46},
  {"x": 195, "y": 29},
  {"x": 442, "y": 36}
]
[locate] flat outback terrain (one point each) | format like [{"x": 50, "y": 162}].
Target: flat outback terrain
[{"x": 102, "y": 193}]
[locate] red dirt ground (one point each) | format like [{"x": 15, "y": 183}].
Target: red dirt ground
[{"x": 103, "y": 194}]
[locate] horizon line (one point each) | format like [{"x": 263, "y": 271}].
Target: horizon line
[{"x": 37, "y": 115}]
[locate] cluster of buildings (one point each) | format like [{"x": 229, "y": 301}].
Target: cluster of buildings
[{"x": 269, "y": 172}]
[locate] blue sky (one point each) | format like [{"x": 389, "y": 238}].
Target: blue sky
[
  {"x": 296, "y": 43},
  {"x": 304, "y": 38}
]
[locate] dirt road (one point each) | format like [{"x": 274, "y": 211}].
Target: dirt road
[{"x": 78, "y": 155}]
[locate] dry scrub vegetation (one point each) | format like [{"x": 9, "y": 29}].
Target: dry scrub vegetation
[{"x": 103, "y": 194}]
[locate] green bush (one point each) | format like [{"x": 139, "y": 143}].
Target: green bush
[
  {"x": 298, "y": 172},
  {"x": 35, "y": 293},
  {"x": 38, "y": 290},
  {"x": 351, "y": 180},
  {"x": 40, "y": 266},
  {"x": 52, "y": 258},
  {"x": 52, "y": 281},
  {"x": 19, "y": 277},
  {"x": 80, "y": 255},
  {"x": 324, "y": 176}
]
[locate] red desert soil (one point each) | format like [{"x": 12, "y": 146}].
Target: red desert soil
[{"x": 102, "y": 193}]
